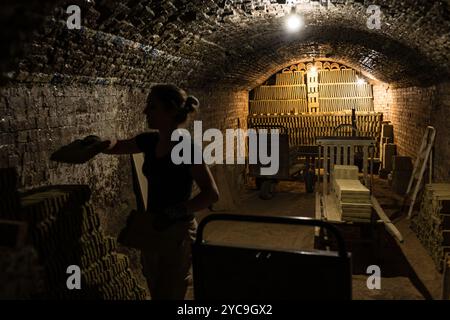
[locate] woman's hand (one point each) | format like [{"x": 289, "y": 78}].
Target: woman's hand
[
  {"x": 80, "y": 151},
  {"x": 209, "y": 193}
]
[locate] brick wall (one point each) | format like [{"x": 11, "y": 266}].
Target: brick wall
[
  {"x": 225, "y": 109},
  {"x": 222, "y": 109},
  {"x": 410, "y": 114},
  {"x": 382, "y": 100},
  {"x": 218, "y": 41},
  {"x": 411, "y": 110},
  {"x": 440, "y": 118},
  {"x": 209, "y": 44},
  {"x": 37, "y": 120}
]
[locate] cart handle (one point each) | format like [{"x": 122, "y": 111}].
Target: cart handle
[
  {"x": 354, "y": 129},
  {"x": 342, "y": 250}
]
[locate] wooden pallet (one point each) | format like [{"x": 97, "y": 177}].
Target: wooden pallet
[{"x": 424, "y": 159}]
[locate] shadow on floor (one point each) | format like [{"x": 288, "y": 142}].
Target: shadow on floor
[{"x": 292, "y": 200}]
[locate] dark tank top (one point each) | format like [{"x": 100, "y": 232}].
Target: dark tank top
[{"x": 168, "y": 183}]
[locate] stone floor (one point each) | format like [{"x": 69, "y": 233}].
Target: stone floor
[{"x": 407, "y": 271}]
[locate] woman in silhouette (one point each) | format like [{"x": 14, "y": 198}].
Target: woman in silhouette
[{"x": 166, "y": 261}]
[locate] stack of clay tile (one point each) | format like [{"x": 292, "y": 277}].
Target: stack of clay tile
[
  {"x": 287, "y": 96},
  {"x": 432, "y": 223},
  {"x": 303, "y": 129},
  {"x": 352, "y": 197},
  {"x": 66, "y": 231}
]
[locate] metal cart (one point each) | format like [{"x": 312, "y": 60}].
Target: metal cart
[
  {"x": 289, "y": 168},
  {"x": 226, "y": 271},
  {"x": 341, "y": 150}
]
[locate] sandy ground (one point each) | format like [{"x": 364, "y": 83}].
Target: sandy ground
[{"x": 407, "y": 270}]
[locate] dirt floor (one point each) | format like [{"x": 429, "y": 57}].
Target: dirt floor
[{"x": 406, "y": 269}]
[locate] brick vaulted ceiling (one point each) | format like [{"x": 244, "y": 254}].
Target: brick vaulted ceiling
[{"x": 220, "y": 42}]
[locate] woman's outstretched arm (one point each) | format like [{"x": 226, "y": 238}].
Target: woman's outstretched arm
[{"x": 123, "y": 147}]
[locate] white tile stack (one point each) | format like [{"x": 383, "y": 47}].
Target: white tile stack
[{"x": 352, "y": 197}]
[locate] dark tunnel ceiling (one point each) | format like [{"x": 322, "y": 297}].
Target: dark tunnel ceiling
[{"x": 231, "y": 43}]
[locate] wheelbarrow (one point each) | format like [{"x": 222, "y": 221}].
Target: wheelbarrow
[
  {"x": 289, "y": 168},
  {"x": 229, "y": 271}
]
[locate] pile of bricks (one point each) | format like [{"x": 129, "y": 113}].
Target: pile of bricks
[
  {"x": 287, "y": 96},
  {"x": 303, "y": 129},
  {"x": 260, "y": 107},
  {"x": 66, "y": 231},
  {"x": 352, "y": 198},
  {"x": 432, "y": 224}
]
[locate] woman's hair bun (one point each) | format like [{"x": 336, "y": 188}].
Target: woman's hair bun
[{"x": 191, "y": 104}]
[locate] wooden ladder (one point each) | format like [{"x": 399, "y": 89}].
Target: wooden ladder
[{"x": 424, "y": 156}]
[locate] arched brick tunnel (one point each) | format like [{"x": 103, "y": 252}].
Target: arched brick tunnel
[{"x": 59, "y": 84}]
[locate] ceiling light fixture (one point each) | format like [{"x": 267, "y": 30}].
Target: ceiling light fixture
[
  {"x": 294, "y": 22},
  {"x": 360, "y": 80}
]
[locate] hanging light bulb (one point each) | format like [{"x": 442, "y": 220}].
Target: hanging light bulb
[
  {"x": 294, "y": 21},
  {"x": 360, "y": 81}
]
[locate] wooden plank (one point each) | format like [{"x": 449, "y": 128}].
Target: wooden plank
[
  {"x": 338, "y": 155},
  {"x": 318, "y": 167},
  {"x": 345, "y": 154},
  {"x": 420, "y": 166},
  {"x": 332, "y": 162},
  {"x": 352, "y": 155},
  {"x": 318, "y": 214},
  {"x": 390, "y": 227},
  {"x": 325, "y": 171},
  {"x": 345, "y": 172},
  {"x": 365, "y": 165},
  {"x": 331, "y": 211}
]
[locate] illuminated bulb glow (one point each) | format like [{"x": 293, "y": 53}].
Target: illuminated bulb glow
[
  {"x": 294, "y": 23},
  {"x": 360, "y": 81}
]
